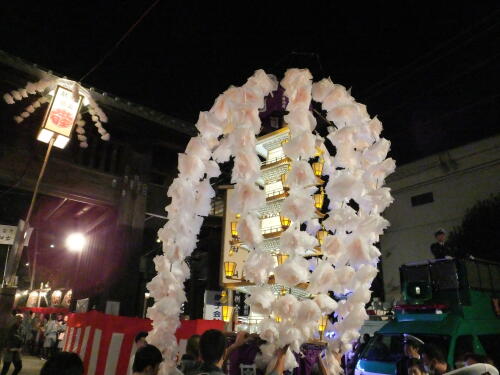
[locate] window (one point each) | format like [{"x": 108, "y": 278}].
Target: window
[
  {"x": 490, "y": 346},
  {"x": 418, "y": 200},
  {"x": 463, "y": 345}
]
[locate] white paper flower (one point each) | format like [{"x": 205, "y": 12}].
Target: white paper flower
[
  {"x": 198, "y": 147},
  {"x": 308, "y": 312},
  {"x": 344, "y": 276},
  {"x": 301, "y": 175},
  {"x": 294, "y": 271},
  {"x": 223, "y": 152},
  {"x": 191, "y": 167},
  {"x": 246, "y": 197},
  {"x": 321, "y": 89},
  {"x": 298, "y": 206},
  {"x": 333, "y": 248},
  {"x": 301, "y": 145},
  {"x": 208, "y": 125},
  {"x": 375, "y": 127},
  {"x": 323, "y": 279},
  {"x": 372, "y": 226},
  {"x": 286, "y": 307},
  {"x": 212, "y": 169},
  {"x": 296, "y": 242},
  {"x": 312, "y": 226},
  {"x": 377, "y": 152},
  {"x": 326, "y": 304},
  {"x": 261, "y": 300},
  {"x": 359, "y": 251},
  {"x": 376, "y": 200},
  {"x": 300, "y": 120},
  {"x": 336, "y": 97},
  {"x": 266, "y": 83},
  {"x": 343, "y": 186},
  {"x": 290, "y": 361},
  {"x": 290, "y": 335},
  {"x": 375, "y": 175},
  {"x": 268, "y": 330},
  {"x": 249, "y": 229},
  {"x": 258, "y": 267},
  {"x": 246, "y": 167},
  {"x": 341, "y": 220}
]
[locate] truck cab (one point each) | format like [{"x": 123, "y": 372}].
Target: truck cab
[{"x": 452, "y": 303}]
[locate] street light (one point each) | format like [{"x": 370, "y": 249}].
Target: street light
[{"x": 76, "y": 242}]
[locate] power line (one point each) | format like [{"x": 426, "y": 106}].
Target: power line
[
  {"x": 407, "y": 69},
  {"x": 117, "y": 44}
]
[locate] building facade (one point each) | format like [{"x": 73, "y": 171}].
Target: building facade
[{"x": 434, "y": 193}]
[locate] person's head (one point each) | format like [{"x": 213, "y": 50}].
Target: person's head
[
  {"x": 147, "y": 360},
  {"x": 212, "y": 347},
  {"x": 18, "y": 319},
  {"x": 140, "y": 339},
  {"x": 366, "y": 338},
  {"x": 193, "y": 346},
  {"x": 415, "y": 367},
  {"x": 473, "y": 358},
  {"x": 440, "y": 235},
  {"x": 59, "y": 317},
  {"x": 434, "y": 360},
  {"x": 63, "y": 363}
]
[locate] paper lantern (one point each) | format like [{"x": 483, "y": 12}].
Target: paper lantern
[
  {"x": 281, "y": 258},
  {"x": 318, "y": 168},
  {"x": 227, "y": 313},
  {"x": 234, "y": 230},
  {"x": 321, "y": 235},
  {"x": 285, "y": 221},
  {"x": 319, "y": 199},
  {"x": 230, "y": 269}
]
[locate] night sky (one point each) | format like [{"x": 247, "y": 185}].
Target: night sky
[{"x": 429, "y": 69}]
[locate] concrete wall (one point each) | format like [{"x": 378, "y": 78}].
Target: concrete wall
[{"x": 457, "y": 179}]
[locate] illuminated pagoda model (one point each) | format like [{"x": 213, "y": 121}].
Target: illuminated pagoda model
[{"x": 274, "y": 169}]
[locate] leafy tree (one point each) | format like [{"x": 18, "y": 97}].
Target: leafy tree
[{"x": 479, "y": 233}]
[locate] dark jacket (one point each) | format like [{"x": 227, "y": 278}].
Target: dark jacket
[{"x": 440, "y": 250}]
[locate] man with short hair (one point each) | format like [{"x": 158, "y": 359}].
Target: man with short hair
[
  {"x": 63, "y": 363},
  {"x": 434, "y": 360},
  {"x": 440, "y": 248},
  {"x": 212, "y": 349},
  {"x": 191, "y": 360},
  {"x": 411, "y": 349},
  {"x": 147, "y": 360},
  {"x": 139, "y": 342}
]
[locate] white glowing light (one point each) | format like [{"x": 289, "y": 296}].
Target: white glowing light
[{"x": 76, "y": 242}]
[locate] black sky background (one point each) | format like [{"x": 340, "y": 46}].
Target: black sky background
[{"x": 428, "y": 69}]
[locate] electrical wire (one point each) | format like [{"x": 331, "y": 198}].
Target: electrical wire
[
  {"x": 410, "y": 69},
  {"x": 117, "y": 44}
]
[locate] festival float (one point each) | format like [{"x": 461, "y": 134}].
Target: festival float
[{"x": 303, "y": 219}]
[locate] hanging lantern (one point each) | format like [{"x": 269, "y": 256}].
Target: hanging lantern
[
  {"x": 319, "y": 152},
  {"x": 230, "y": 269},
  {"x": 283, "y": 181},
  {"x": 323, "y": 321},
  {"x": 285, "y": 221},
  {"x": 278, "y": 319},
  {"x": 321, "y": 234},
  {"x": 234, "y": 230},
  {"x": 238, "y": 216},
  {"x": 286, "y": 140},
  {"x": 318, "y": 168},
  {"x": 319, "y": 199},
  {"x": 281, "y": 258},
  {"x": 283, "y": 291},
  {"x": 227, "y": 313}
]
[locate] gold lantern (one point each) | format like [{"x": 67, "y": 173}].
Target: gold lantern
[
  {"x": 283, "y": 291},
  {"x": 233, "y": 249},
  {"x": 323, "y": 321},
  {"x": 230, "y": 269},
  {"x": 234, "y": 229},
  {"x": 227, "y": 313},
  {"x": 238, "y": 216},
  {"x": 281, "y": 258},
  {"x": 283, "y": 180},
  {"x": 321, "y": 234},
  {"x": 278, "y": 319},
  {"x": 319, "y": 199},
  {"x": 318, "y": 168},
  {"x": 285, "y": 221}
]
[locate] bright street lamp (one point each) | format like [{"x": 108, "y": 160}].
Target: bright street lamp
[{"x": 76, "y": 242}]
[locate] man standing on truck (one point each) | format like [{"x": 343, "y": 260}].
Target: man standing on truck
[{"x": 440, "y": 248}]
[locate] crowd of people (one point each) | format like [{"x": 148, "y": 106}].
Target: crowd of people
[
  {"x": 208, "y": 354},
  {"x": 38, "y": 335}
]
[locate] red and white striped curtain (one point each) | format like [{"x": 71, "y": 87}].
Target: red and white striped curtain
[{"x": 104, "y": 342}]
